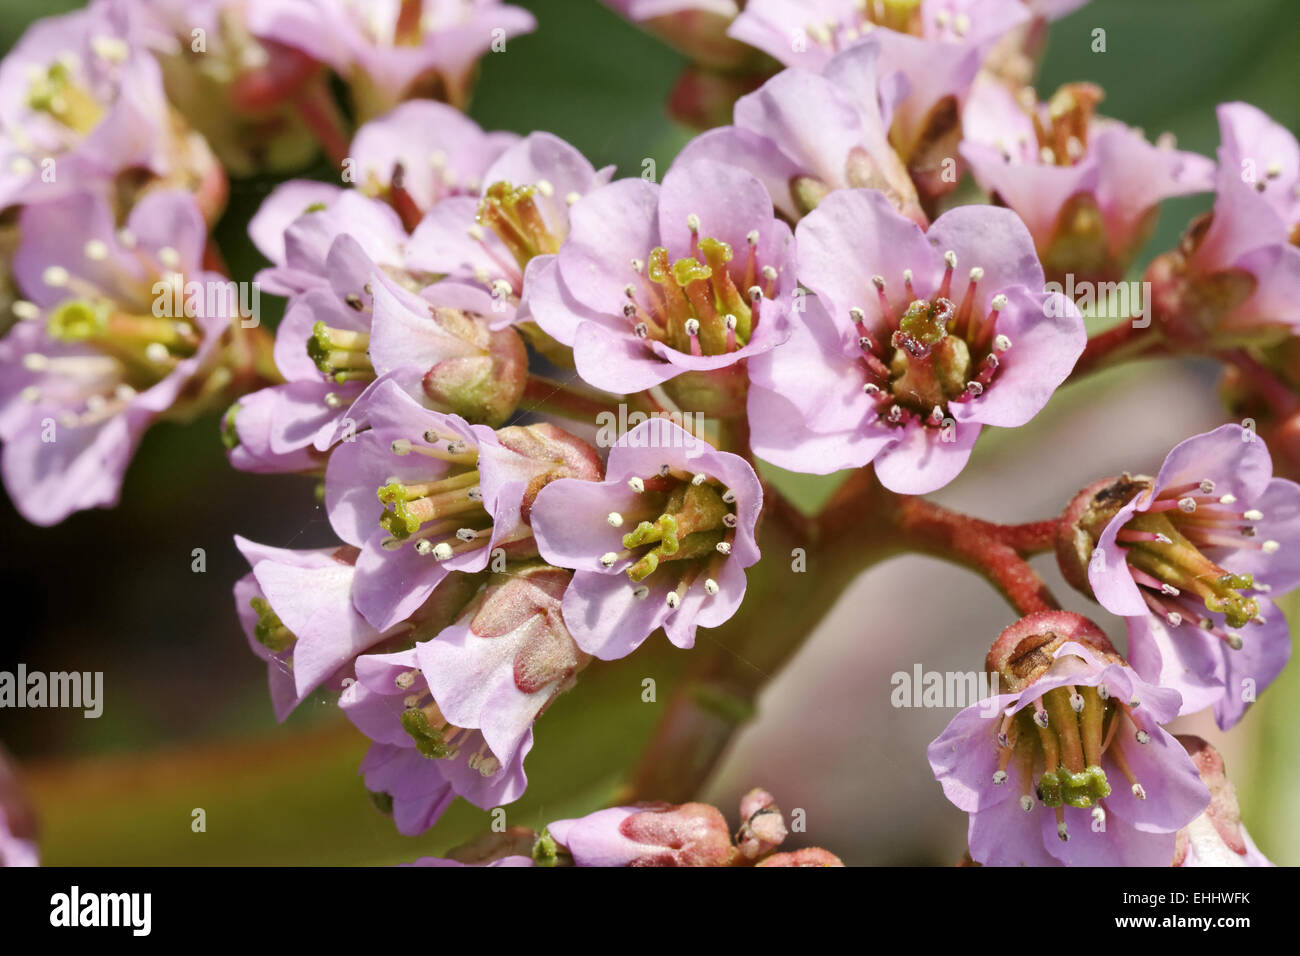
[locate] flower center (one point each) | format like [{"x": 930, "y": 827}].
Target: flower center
[
  {"x": 1165, "y": 550},
  {"x": 684, "y": 520},
  {"x": 1055, "y": 749},
  {"x": 437, "y": 738},
  {"x": 695, "y": 305},
  {"x": 443, "y": 516},
  {"x": 57, "y": 94},
  {"x": 342, "y": 355},
  {"x": 936, "y": 352}
]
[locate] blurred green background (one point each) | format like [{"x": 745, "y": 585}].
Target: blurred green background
[{"x": 187, "y": 722}]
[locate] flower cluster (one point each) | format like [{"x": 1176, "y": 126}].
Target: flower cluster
[{"x": 467, "y": 310}]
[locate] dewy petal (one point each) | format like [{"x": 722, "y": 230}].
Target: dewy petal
[
  {"x": 286, "y": 203},
  {"x": 1280, "y": 571},
  {"x": 964, "y": 757},
  {"x": 608, "y": 230},
  {"x": 1005, "y": 835},
  {"x": 994, "y": 239},
  {"x": 854, "y": 234},
  {"x": 1234, "y": 458},
  {"x": 922, "y": 460},
  {"x": 1048, "y": 336}
]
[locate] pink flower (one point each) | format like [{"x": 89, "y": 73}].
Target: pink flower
[
  {"x": 512, "y": 225},
  {"x": 1086, "y": 188},
  {"x": 423, "y": 152},
  {"x": 804, "y": 134},
  {"x": 453, "y": 716},
  {"x": 654, "y": 281},
  {"x": 936, "y": 45},
  {"x": 1236, "y": 277},
  {"x": 900, "y": 361},
  {"x": 296, "y": 610},
  {"x": 423, "y": 494},
  {"x": 1079, "y": 733},
  {"x": 1188, "y": 558},
  {"x": 670, "y": 511},
  {"x": 78, "y": 105},
  {"x": 396, "y": 49},
  {"x": 108, "y": 340}
]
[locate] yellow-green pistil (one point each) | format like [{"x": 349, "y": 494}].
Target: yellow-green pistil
[{"x": 688, "y": 520}]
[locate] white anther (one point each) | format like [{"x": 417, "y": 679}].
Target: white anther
[
  {"x": 693, "y": 223},
  {"x": 1271, "y": 547},
  {"x": 673, "y": 599},
  {"x": 615, "y": 519},
  {"x": 999, "y": 302},
  {"x": 1026, "y": 803},
  {"x": 723, "y": 547},
  {"x": 976, "y": 274},
  {"x": 1001, "y": 343},
  {"x": 169, "y": 257},
  {"x": 1143, "y": 737},
  {"x": 571, "y": 197},
  {"x": 96, "y": 250},
  {"x": 1254, "y": 514},
  {"x": 25, "y": 311},
  {"x": 710, "y": 586},
  {"x": 156, "y": 352},
  {"x": 608, "y": 558},
  {"x": 641, "y": 592},
  {"x": 636, "y": 484},
  {"x": 55, "y": 276},
  {"x": 692, "y": 327},
  {"x": 400, "y": 446},
  {"x": 699, "y": 478},
  {"x": 442, "y": 551}
]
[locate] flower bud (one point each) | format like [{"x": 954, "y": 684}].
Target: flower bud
[
  {"x": 483, "y": 387},
  {"x": 808, "y": 856},
  {"x": 763, "y": 827},
  {"x": 657, "y": 834},
  {"x": 1216, "y": 837}
]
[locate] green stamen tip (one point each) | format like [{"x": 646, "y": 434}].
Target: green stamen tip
[
  {"x": 657, "y": 267},
  {"x": 686, "y": 271},
  {"x": 319, "y": 347},
  {"x": 269, "y": 629},
  {"x": 716, "y": 252},
  {"x": 428, "y": 740},
  {"x": 229, "y": 436},
  {"x": 321, "y": 207},
  {"x": 399, "y": 522},
  {"x": 643, "y": 568},
  {"x": 77, "y": 320},
  {"x": 1049, "y": 789}
]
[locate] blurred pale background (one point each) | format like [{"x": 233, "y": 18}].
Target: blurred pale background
[{"x": 187, "y": 723}]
